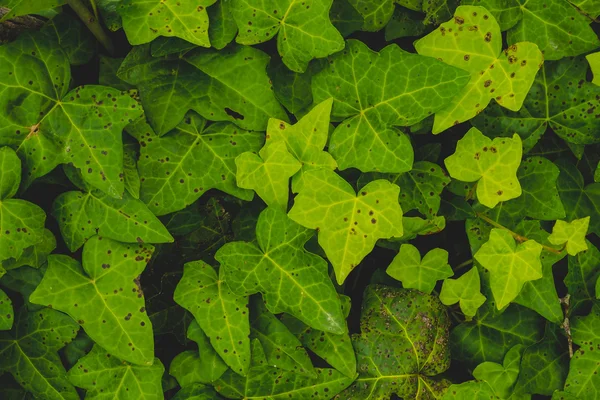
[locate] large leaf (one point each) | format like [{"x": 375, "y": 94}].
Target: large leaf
[
  {"x": 144, "y": 21},
  {"x": 582, "y": 276},
  {"x": 230, "y": 85},
  {"x": 465, "y": 291},
  {"x": 583, "y": 380},
  {"x": 291, "y": 279},
  {"x": 560, "y": 98},
  {"x": 492, "y": 164},
  {"x": 221, "y": 314},
  {"x": 303, "y": 29},
  {"x": 29, "y": 353},
  {"x": 51, "y": 124},
  {"x": 472, "y": 41},
  {"x": 371, "y": 103},
  {"x": 178, "y": 168},
  {"x": 103, "y": 375},
  {"x": 402, "y": 345},
  {"x": 103, "y": 296},
  {"x": 349, "y": 225}
]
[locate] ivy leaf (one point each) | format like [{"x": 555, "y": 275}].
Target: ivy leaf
[
  {"x": 584, "y": 329},
  {"x": 510, "y": 265},
  {"x": 196, "y": 392},
  {"x": 24, "y": 7},
  {"x": 291, "y": 279},
  {"x": 7, "y": 315},
  {"x": 145, "y": 21},
  {"x": 491, "y": 163},
  {"x": 282, "y": 349},
  {"x": 75, "y": 38},
  {"x": 345, "y": 17},
  {"x": 375, "y": 13},
  {"x": 102, "y": 375},
  {"x": 55, "y": 126},
  {"x": 179, "y": 167},
  {"x": 305, "y": 140},
  {"x": 405, "y": 23},
  {"x": 82, "y": 215},
  {"x": 465, "y": 291},
  {"x": 221, "y": 314},
  {"x": 371, "y": 108},
  {"x": 292, "y": 89},
  {"x": 501, "y": 377},
  {"x": 22, "y": 222},
  {"x": 29, "y": 353},
  {"x": 34, "y": 256},
  {"x": 583, "y": 381},
  {"x": 581, "y": 278},
  {"x": 476, "y": 47},
  {"x": 580, "y": 201},
  {"x": 303, "y": 31},
  {"x": 574, "y": 121},
  {"x": 349, "y": 225},
  {"x": 416, "y": 273},
  {"x": 594, "y": 60},
  {"x": 222, "y": 28},
  {"x": 401, "y": 345},
  {"x": 268, "y": 173},
  {"x": 131, "y": 175},
  {"x": 107, "y": 76},
  {"x": 207, "y": 82},
  {"x": 476, "y": 390},
  {"x": 572, "y": 233},
  {"x": 103, "y": 296}
]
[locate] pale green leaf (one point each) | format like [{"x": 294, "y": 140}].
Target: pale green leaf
[
  {"x": 416, "y": 273},
  {"x": 268, "y": 173},
  {"x": 571, "y": 234},
  {"x": 510, "y": 265},
  {"x": 369, "y": 104},
  {"x": 221, "y": 314},
  {"x": 145, "y": 20},
  {"x": 471, "y": 390},
  {"x": 29, "y": 353},
  {"x": 196, "y": 391},
  {"x": 24, "y": 7},
  {"x": 103, "y": 296},
  {"x": 303, "y": 29},
  {"x": 594, "y": 60},
  {"x": 82, "y": 215},
  {"x": 104, "y": 376},
  {"x": 179, "y": 167},
  {"x": 291, "y": 279},
  {"x": 493, "y": 164},
  {"x": 465, "y": 290},
  {"x": 501, "y": 377},
  {"x": 349, "y": 225}
]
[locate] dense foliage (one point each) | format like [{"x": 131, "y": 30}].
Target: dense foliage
[{"x": 300, "y": 199}]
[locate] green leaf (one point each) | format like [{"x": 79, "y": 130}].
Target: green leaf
[
  {"x": 82, "y": 215},
  {"x": 221, "y": 314},
  {"x": 402, "y": 345},
  {"x": 369, "y": 109},
  {"x": 560, "y": 98},
  {"x": 74, "y": 37},
  {"x": 230, "y": 85},
  {"x": 476, "y": 47},
  {"x": 292, "y": 89},
  {"x": 491, "y": 163},
  {"x": 594, "y": 60},
  {"x": 465, "y": 291},
  {"x": 510, "y": 265},
  {"x": 583, "y": 381},
  {"x": 7, "y": 315},
  {"x": 501, "y": 377},
  {"x": 349, "y": 225},
  {"x": 29, "y": 353},
  {"x": 303, "y": 31},
  {"x": 178, "y": 168},
  {"x": 291, "y": 279},
  {"x": 102, "y": 375},
  {"x": 103, "y": 296},
  {"x": 572, "y": 233},
  {"x": 305, "y": 140},
  {"x": 146, "y": 20},
  {"x": 585, "y": 330},
  {"x": 405, "y": 23},
  {"x": 268, "y": 173},
  {"x": 222, "y": 28},
  {"x": 582, "y": 276},
  {"x": 33, "y": 256},
  {"x": 345, "y": 18},
  {"x": 24, "y": 7},
  {"x": 53, "y": 125},
  {"x": 282, "y": 349},
  {"x": 76, "y": 349},
  {"x": 416, "y": 273},
  {"x": 476, "y": 390},
  {"x": 108, "y": 12},
  {"x": 107, "y": 75},
  {"x": 131, "y": 175},
  {"x": 196, "y": 392},
  {"x": 375, "y": 13}
]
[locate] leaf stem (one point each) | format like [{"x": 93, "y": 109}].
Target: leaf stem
[
  {"x": 517, "y": 237},
  {"x": 92, "y": 23},
  {"x": 464, "y": 264},
  {"x": 566, "y": 325},
  {"x": 94, "y": 8}
]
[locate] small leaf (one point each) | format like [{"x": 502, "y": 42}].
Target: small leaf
[
  {"x": 594, "y": 60},
  {"x": 475, "y": 390},
  {"x": 102, "y": 375},
  {"x": 7, "y": 315},
  {"x": 585, "y": 330},
  {"x": 501, "y": 377},
  {"x": 196, "y": 392},
  {"x": 465, "y": 291},
  {"x": 416, "y": 273},
  {"x": 24, "y": 7},
  {"x": 221, "y": 314},
  {"x": 572, "y": 233},
  {"x": 582, "y": 276},
  {"x": 493, "y": 164},
  {"x": 104, "y": 296},
  {"x": 349, "y": 225},
  {"x": 222, "y": 28}
]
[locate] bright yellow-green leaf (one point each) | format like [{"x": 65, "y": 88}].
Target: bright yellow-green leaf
[
  {"x": 472, "y": 41},
  {"x": 594, "y": 60},
  {"x": 493, "y": 164},
  {"x": 465, "y": 290},
  {"x": 510, "y": 265},
  {"x": 572, "y": 233}
]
